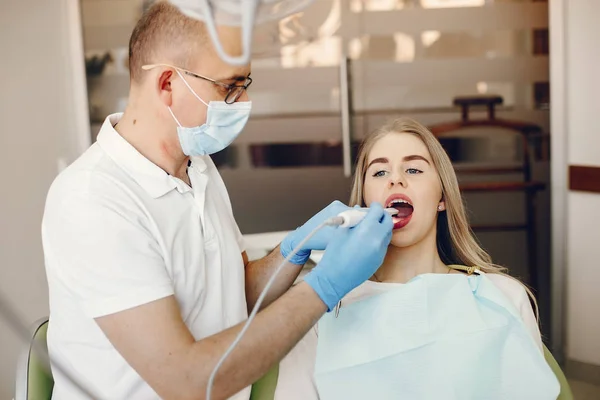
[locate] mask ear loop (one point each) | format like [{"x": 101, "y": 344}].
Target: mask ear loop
[
  {"x": 174, "y": 117},
  {"x": 189, "y": 87},
  {"x": 247, "y": 23},
  {"x": 191, "y": 90}
]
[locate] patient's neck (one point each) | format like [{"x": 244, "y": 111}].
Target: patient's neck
[{"x": 401, "y": 264}]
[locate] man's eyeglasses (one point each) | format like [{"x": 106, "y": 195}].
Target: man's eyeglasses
[{"x": 234, "y": 91}]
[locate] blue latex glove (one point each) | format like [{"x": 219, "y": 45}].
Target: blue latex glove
[
  {"x": 352, "y": 256},
  {"x": 319, "y": 241}
]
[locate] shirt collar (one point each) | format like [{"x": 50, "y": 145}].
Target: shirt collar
[{"x": 153, "y": 179}]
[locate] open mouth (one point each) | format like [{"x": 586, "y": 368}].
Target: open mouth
[{"x": 405, "y": 210}]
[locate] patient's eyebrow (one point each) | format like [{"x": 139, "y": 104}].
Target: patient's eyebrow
[
  {"x": 380, "y": 160},
  {"x": 416, "y": 157},
  {"x": 383, "y": 160}
]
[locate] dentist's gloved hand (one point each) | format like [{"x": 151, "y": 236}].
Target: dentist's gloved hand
[
  {"x": 352, "y": 256},
  {"x": 319, "y": 241}
]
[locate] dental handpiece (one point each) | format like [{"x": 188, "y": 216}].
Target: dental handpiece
[{"x": 351, "y": 218}]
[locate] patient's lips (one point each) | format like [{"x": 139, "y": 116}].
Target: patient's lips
[{"x": 405, "y": 208}]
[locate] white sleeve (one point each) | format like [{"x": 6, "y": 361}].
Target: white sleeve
[
  {"x": 528, "y": 317},
  {"x": 297, "y": 369},
  {"x": 516, "y": 293},
  {"x": 103, "y": 252}
]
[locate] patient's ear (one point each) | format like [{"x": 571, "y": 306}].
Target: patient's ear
[{"x": 442, "y": 206}]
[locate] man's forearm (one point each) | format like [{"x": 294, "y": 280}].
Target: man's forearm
[
  {"x": 273, "y": 333},
  {"x": 259, "y": 272}
]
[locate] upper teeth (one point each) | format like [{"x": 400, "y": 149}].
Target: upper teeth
[{"x": 399, "y": 201}]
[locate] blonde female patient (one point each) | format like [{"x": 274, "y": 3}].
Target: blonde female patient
[{"x": 438, "y": 320}]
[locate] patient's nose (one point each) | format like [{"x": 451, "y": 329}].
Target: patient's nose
[{"x": 397, "y": 180}]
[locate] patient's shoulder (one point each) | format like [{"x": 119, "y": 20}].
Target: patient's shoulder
[
  {"x": 511, "y": 287},
  {"x": 514, "y": 290}
]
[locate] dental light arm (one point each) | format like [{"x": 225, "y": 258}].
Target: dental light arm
[{"x": 241, "y": 13}]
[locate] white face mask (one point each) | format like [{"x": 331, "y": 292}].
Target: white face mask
[{"x": 224, "y": 123}]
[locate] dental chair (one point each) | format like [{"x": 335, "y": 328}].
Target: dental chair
[
  {"x": 34, "y": 378},
  {"x": 565, "y": 388}
]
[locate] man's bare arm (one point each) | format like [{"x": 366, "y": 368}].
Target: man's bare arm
[
  {"x": 260, "y": 271},
  {"x": 156, "y": 343}
]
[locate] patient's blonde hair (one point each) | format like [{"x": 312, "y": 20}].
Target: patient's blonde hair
[{"x": 456, "y": 243}]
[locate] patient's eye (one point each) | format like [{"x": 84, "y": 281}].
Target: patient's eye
[
  {"x": 379, "y": 174},
  {"x": 413, "y": 171}
]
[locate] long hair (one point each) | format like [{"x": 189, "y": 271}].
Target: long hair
[{"x": 456, "y": 243}]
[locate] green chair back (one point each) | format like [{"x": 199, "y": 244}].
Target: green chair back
[
  {"x": 40, "y": 382},
  {"x": 34, "y": 377},
  {"x": 264, "y": 388},
  {"x": 565, "y": 388}
]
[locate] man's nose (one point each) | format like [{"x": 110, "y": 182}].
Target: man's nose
[{"x": 244, "y": 96}]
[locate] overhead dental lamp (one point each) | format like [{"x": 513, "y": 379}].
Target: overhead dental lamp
[{"x": 241, "y": 13}]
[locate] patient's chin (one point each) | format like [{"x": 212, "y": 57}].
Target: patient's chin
[{"x": 401, "y": 239}]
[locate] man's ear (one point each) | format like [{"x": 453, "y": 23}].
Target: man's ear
[{"x": 163, "y": 86}]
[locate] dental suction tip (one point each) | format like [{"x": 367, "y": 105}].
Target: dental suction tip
[{"x": 392, "y": 211}]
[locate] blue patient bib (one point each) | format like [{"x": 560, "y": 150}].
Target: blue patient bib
[{"x": 438, "y": 337}]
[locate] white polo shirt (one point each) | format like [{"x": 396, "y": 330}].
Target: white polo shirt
[{"x": 119, "y": 232}]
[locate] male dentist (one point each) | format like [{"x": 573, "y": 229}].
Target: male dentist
[{"x": 148, "y": 279}]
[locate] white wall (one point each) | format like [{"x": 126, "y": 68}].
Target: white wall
[
  {"x": 583, "y": 275},
  {"x": 576, "y": 219},
  {"x": 583, "y": 108},
  {"x": 43, "y": 114}
]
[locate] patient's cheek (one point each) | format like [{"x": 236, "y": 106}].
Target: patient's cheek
[
  {"x": 372, "y": 194},
  {"x": 368, "y": 200}
]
